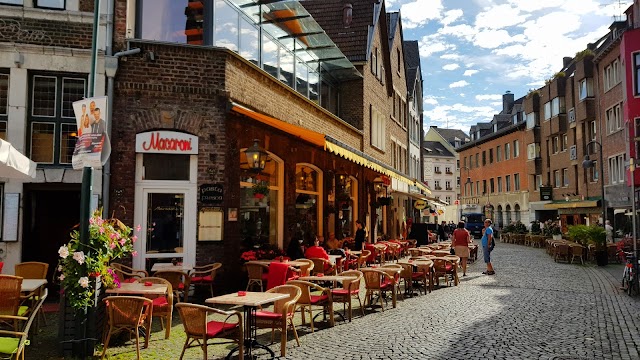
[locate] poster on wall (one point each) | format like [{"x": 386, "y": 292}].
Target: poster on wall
[{"x": 92, "y": 145}]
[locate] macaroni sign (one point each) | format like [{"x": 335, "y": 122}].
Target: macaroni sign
[{"x": 166, "y": 142}]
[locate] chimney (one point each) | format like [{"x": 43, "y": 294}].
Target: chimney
[
  {"x": 347, "y": 14},
  {"x": 566, "y": 61},
  {"x": 507, "y": 102}
]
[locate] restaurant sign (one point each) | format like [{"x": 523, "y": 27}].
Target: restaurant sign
[
  {"x": 420, "y": 204},
  {"x": 166, "y": 142},
  {"x": 546, "y": 193},
  {"x": 211, "y": 194}
]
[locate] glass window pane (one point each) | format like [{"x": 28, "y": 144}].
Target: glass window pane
[
  {"x": 269, "y": 56},
  {"x": 52, "y": 4},
  {"x": 249, "y": 44},
  {"x": 68, "y": 137},
  {"x": 165, "y": 222},
  {"x": 286, "y": 67},
  {"x": 72, "y": 90},
  {"x": 44, "y": 96},
  {"x": 258, "y": 218},
  {"x": 4, "y": 94},
  {"x": 42, "y": 142},
  {"x": 306, "y": 178},
  {"x": 226, "y": 26},
  {"x": 176, "y": 21},
  {"x": 12, "y": 2},
  {"x": 165, "y": 167},
  {"x": 302, "y": 81},
  {"x": 313, "y": 86}
]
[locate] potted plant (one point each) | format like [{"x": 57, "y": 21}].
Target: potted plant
[
  {"x": 535, "y": 228},
  {"x": 598, "y": 237},
  {"x": 260, "y": 190},
  {"x": 579, "y": 234}
]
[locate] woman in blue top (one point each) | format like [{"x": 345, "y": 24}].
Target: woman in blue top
[{"x": 487, "y": 246}]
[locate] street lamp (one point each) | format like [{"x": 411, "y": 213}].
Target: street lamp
[
  {"x": 256, "y": 157},
  {"x": 587, "y": 163}
]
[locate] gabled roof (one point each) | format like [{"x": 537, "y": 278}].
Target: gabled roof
[
  {"x": 434, "y": 148},
  {"x": 451, "y": 134},
  {"x": 412, "y": 63}
]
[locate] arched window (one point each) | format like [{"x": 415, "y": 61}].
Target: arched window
[
  {"x": 516, "y": 210},
  {"x": 261, "y": 199},
  {"x": 499, "y": 220},
  {"x": 346, "y": 207},
  {"x": 308, "y": 200},
  {"x": 507, "y": 210}
]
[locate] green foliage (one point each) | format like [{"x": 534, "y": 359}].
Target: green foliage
[
  {"x": 536, "y": 229},
  {"x": 515, "y": 228},
  {"x": 260, "y": 188},
  {"x": 598, "y": 237},
  {"x": 533, "y": 92},
  {"x": 80, "y": 265},
  {"x": 552, "y": 228},
  {"x": 579, "y": 234},
  {"x": 583, "y": 54}
]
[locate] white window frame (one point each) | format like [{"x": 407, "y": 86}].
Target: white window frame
[
  {"x": 516, "y": 148},
  {"x": 565, "y": 177},
  {"x": 617, "y": 170},
  {"x": 614, "y": 118},
  {"x": 547, "y": 110},
  {"x": 556, "y": 178},
  {"x": 585, "y": 88},
  {"x": 378, "y": 129}
]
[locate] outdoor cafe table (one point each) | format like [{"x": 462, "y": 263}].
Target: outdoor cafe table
[
  {"x": 139, "y": 288},
  {"x": 332, "y": 278},
  {"x": 293, "y": 263},
  {"x": 422, "y": 263},
  {"x": 170, "y": 267},
  {"x": 250, "y": 302},
  {"x": 31, "y": 285}
]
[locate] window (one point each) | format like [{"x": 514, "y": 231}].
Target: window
[
  {"x": 611, "y": 75},
  {"x": 507, "y": 151},
  {"x": 484, "y": 186},
  {"x": 447, "y": 185},
  {"x": 464, "y": 161},
  {"x": 394, "y": 109},
  {"x": 374, "y": 62},
  {"x": 490, "y": 156},
  {"x": 4, "y": 104},
  {"x": 398, "y": 60},
  {"x": 533, "y": 151},
  {"x": 478, "y": 188},
  {"x": 12, "y": 2},
  {"x": 507, "y": 182},
  {"x": 614, "y": 118},
  {"x": 593, "y": 130},
  {"x": 516, "y": 148},
  {"x": 556, "y": 177},
  {"x": 492, "y": 187},
  {"x": 556, "y": 146},
  {"x": 377, "y": 129},
  {"x": 52, "y": 125},
  {"x": 547, "y": 110},
  {"x": 538, "y": 183},
  {"x": 458, "y": 181},
  {"x": 448, "y": 199},
  {"x": 436, "y": 169},
  {"x": 585, "y": 88},
  {"x": 447, "y": 170},
  {"x": 186, "y": 25},
  {"x": 394, "y": 155},
  {"x": 617, "y": 169},
  {"x": 593, "y": 171},
  {"x": 457, "y": 164},
  {"x": 565, "y": 177},
  {"x": 436, "y": 185},
  {"x": 498, "y": 153},
  {"x": 636, "y": 73},
  {"x": 557, "y": 106},
  {"x": 532, "y": 120},
  {"x": 484, "y": 158},
  {"x": 516, "y": 182},
  {"x": 477, "y": 157},
  {"x": 499, "y": 184},
  {"x": 563, "y": 143}
]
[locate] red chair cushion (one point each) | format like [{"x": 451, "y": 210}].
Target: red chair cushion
[
  {"x": 268, "y": 315},
  {"x": 181, "y": 286},
  {"x": 130, "y": 280},
  {"x": 448, "y": 267},
  {"x": 314, "y": 299},
  {"x": 160, "y": 302},
  {"x": 385, "y": 284},
  {"x": 216, "y": 327},
  {"x": 1, "y": 266},
  {"x": 265, "y": 276},
  {"x": 277, "y": 274},
  {"x": 344, "y": 291},
  {"x": 201, "y": 279}
]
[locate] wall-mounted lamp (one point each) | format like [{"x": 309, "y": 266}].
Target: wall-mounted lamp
[
  {"x": 18, "y": 59},
  {"x": 256, "y": 156}
]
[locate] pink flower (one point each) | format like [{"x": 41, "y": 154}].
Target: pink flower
[
  {"x": 134, "y": 253},
  {"x": 113, "y": 236},
  {"x": 63, "y": 251},
  {"x": 122, "y": 242},
  {"x": 84, "y": 282},
  {"x": 138, "y": 228},
  {"x": 92, "y": 220},
  {"x": 79, "y": 257},
  {"x": 112, "y": 245},
  {"x": 101, "y": 230},
  {"x": 134, "y": 238},
  {"x": 61, "y": 277}
]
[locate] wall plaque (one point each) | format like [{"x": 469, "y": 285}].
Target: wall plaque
[
  {"x": 546, "y": 193},
  {"x": 211, "y": 194}
]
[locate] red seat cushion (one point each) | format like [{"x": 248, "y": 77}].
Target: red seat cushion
[
  {"x": 448, "y": 267},
  {"x": 318, "y": 298},
  {"x": 216, "y": 327},
  {"x": 160, "y": 302},
  {"x": 268, "y": 315},
  {"x": 130, "y": 280},
  {"x": 385, "y": 284},
  {"x": 344, "y": 291},
  {"x": 201, "y": 279},
  {"x": 417, "y": 274},
  {"x": 181, "y": 286}
]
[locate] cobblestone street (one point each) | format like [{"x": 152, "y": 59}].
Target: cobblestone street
[{"x": 532, "y": 309}]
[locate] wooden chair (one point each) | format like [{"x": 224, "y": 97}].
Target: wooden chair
[
  {"x": 10, "y": 299},
  {"x": 257, "y": 275},
  {"x": 307, "y": 300},
  {"x": 281, "y": 316},
  {"x": 180, "y": 282},
  {"x": 362, "y": 260},
  {"x": 349, "y": 290},
  {"x": 378, "y": 282},
  {"x": 163, "y": 304},
  {"x": 128, "y": 274},
  {"x": 444, "y": 268},
  {"x": 13, "y": 342},
  {"x": 323, "y": 266},
  {"x": 128, "y": 313},
  {"x": 200, "y": 329},
  {"x": 562, "y": 252},
  {"x": 33, "y": 270},
  {"x": 203, "y": 276}
]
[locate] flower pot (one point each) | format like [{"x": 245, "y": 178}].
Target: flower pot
[
  {"x": 602, "y": 258},
  {"x": 557, "y": 237}
]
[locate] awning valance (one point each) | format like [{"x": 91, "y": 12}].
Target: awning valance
[
  {"x": 310, "y": 136},
  {"x": 571, "y": 205},
  {"x": 411, "y": 195}
]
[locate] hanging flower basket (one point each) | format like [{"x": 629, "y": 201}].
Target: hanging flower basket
[{"x": 260, "y": 191}]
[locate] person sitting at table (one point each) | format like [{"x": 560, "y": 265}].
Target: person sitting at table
[
  {"x": 334, "y": 245},
  {"x": 317, "y": 251},
  {"x": 295, "y": 250}
]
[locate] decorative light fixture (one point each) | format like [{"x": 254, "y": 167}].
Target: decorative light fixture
[
  {"x": 256, "y": 156},
  {"x": 378, "y": 185},
  {"x": 342, "y": 177}
]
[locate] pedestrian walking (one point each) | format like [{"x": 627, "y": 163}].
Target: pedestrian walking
[
  {"x": 461, "y": 238},
  {"x": 487, "y": 246}
]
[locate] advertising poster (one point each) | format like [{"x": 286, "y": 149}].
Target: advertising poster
[{"x": 92, "y": 147}]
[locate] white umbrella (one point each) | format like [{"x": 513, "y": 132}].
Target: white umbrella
[{"x": 13, "y": 164}]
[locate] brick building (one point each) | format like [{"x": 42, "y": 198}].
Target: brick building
[{"x": 630, "y": 61}]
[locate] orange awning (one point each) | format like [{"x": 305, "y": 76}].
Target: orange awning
[{"x": 310, "y": 136}]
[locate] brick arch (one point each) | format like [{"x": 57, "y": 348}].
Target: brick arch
[{"x": 190, "y": 121}]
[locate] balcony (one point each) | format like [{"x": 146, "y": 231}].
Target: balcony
[
  {"x": 557, "y": 86},
  {"x": 584, "y": 68},
  {"x": 586, "y": 109},
  {"x": 437, "y": 172},
  {"x": 558, "y": 124},
  {"x": 448, "y": 172},
  {"x": 449, "y": 188},
  {"x": 534, "y": 167},
  {"x": 532, "y": 102}
]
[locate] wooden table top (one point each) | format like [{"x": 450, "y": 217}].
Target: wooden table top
[
  {"x": 294, "y": 263},
  {"x": 328, "y": 278},
  {"x": 416, "y": 262},
  {"x": 170, "y": 267},
  {"x": 139, "y": 288},
  {"x": 29, "y": 285},
  {"x": 251, "y": 299}
]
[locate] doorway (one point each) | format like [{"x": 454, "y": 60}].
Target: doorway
[{"x": 50, "y": 213}]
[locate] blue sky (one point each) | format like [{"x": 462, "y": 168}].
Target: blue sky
[{"x": 472, "y": 51}]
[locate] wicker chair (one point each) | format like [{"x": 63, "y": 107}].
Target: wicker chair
[
  {"x": 180, "y": 282},
  {"x": 444, "y": 268},
  {"x": 307, "y": 300},
  {"x": 129, "y": 313},
  {"x": 282, "y": 315},
  {"x": 378, "y": 282},
  {"x": 393, "y": 251},
  {"x": 577, "y": 251},
  {"x": 199, "y": 329},
  {"x": 10, "y": 288},
  {"x": 394, "y": 270},
  {"x": 163, "y": 304},
  {"x": 349, "y": 290},
  {"x": 257, "y": 275},
  {"x": 33, "y": 270},
  {"x": 128, "y": 274},
  {"x": 362, "y": 260},
  {"x": 203, "y": 276},
  {"x": 562, "y": 252},
  {"x": 15, "y": 341},
  {"x": 323, "y": 266},
  {"x": 305, "y": 270}
]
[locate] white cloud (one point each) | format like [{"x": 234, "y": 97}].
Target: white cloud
[
  {"x": 430, "y": 100},
  {"x": 462, "y": 95},
  {"x": 470, "y": 72},
  {"x": 450, "y": 67},
  {"x": 458, "y": 84},
  {"x": 492, "y": 39},
  {"x": 500, "y": 16},
  {"x": 429, "y": 47},
  {"x": 489, "y": 97},
  {"x": 417, "y": 13},
  {"x": 451, "y": 56},
  {"x": 451, "y": 16}
]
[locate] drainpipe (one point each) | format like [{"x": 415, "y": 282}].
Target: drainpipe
[{"x": 111, "y": 67}]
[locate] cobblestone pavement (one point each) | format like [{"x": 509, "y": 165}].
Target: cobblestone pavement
[{"x": 532, "y": 309}]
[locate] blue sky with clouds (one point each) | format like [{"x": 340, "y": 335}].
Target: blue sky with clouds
[{"x": 472, "y": 51}]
